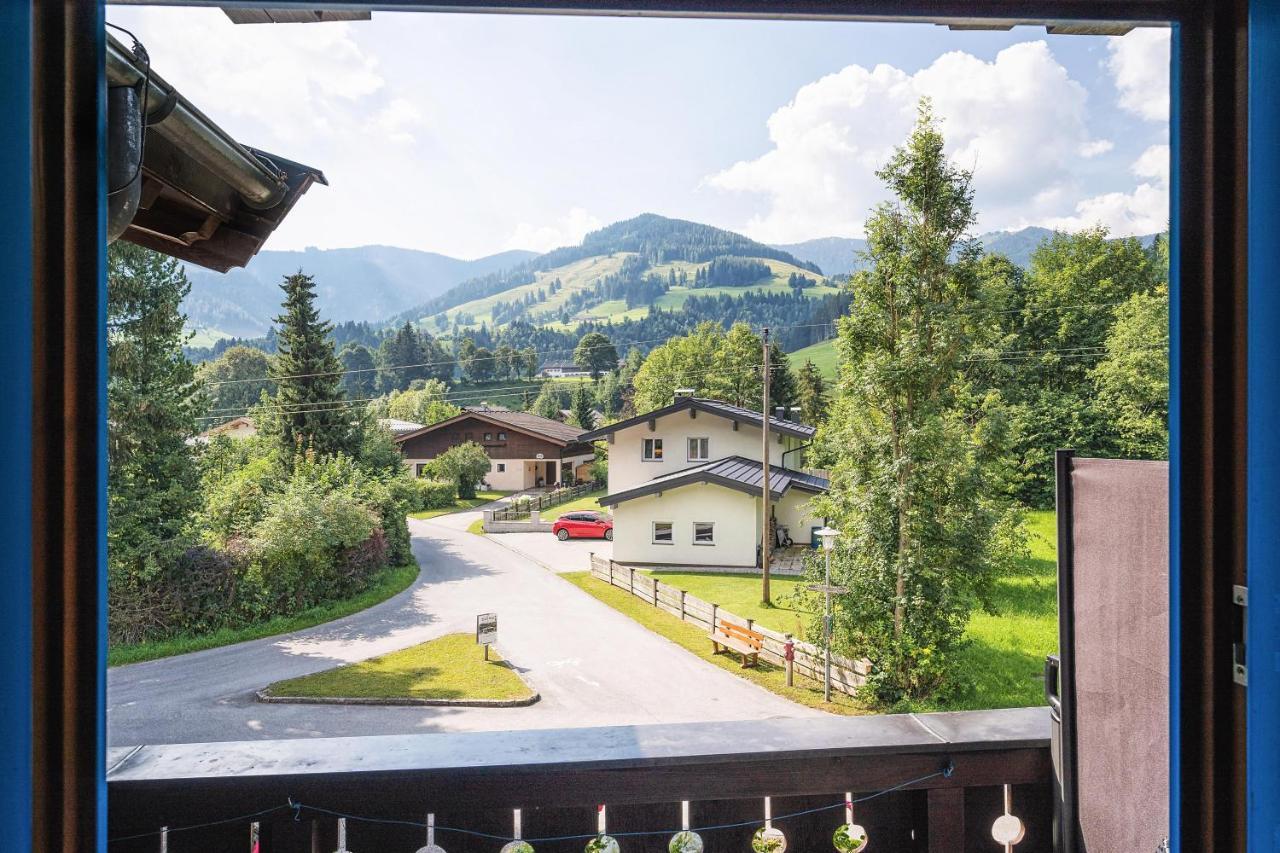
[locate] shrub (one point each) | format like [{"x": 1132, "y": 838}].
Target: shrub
[
  {"x": 195, "y": 593},
  {"x": 297, "y": 547},
  {"x": 433, "y": 494},
  {"x": 465, "y": 464}
]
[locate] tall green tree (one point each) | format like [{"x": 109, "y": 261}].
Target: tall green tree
[
  {"x": 811, "y": 394},
  {"x": 1132, "y": 381},
  {"x": 425, "y": 405},
  {"x": 309, "y": 402},
  {"x": 783, "y": 390},
  {"x": 918, "y": 458},
  {"x": 580, "y": 408},
  {"x": 359, "y": 377},
  {"x": 1072, "y": 290},
  {"x": 235, "y": 380},
  {"x": 547, "y": 403},
  {"x": 596, "y": 353},
  {"x": 152, "y": 405}
]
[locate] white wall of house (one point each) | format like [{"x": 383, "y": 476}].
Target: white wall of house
[
  {"x": 792, "y": 511},
  {"x": 629, "y": 468},
  {"x": 735, "y": 516}
]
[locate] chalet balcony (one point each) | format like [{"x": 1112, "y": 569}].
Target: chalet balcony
[{"x": 920, "y": 782}]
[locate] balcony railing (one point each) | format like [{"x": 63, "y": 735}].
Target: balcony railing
[{"x": 472, "y": 781}]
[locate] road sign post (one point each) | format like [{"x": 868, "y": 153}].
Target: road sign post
[{"x": 487, "y": 631}]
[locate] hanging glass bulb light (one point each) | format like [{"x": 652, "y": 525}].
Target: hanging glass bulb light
[
  {"x": 768, "y": 838},
  {"x": 849, "y": 837},
  {"x": 1008, "y": 829},
  {"x": 602, "y": 843},
  {"x": 342, "y": 836},
  {"x": 431, "y": 847},
  {"x": 516, "y": 845},
  {"x": 685, "y": 841}
]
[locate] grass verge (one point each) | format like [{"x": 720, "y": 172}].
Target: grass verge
[
  {"x": 451, "y": 667},
  {"x": 462, "y": 505},
  {"x": 476, "y": 527},
  {"x": 740, "y": 595},
  {"x": 694, "y": 640},
  {"x": 589, "y": 501},
  {"x": 391, "y": 581},
  {"x": 1005, "y": 654}
]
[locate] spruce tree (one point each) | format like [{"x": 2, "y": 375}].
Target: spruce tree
[
  {"x": 782, "y": 382},
  {"x": 811, "y": 395},
  {"x": 152, "y": 404},
  {"x": 309, "y": 399},
  {"x": 580, "y": 408}
]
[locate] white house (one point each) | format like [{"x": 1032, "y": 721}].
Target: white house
[
  {"x": 241, "y": 427},
  {"x": 685, "y": 483},
  {"x": 562, "y": 370}
]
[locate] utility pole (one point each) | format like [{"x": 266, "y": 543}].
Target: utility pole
[{"x": 767, "y": 528}]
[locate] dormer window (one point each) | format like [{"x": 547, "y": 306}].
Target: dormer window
[
  {"x": 699, "y": 449},
  {"x": 652, "y": 450}
]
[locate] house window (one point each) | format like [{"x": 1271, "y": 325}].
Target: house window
[
  {"x": 662, "y": 533},
  {"x": 502, "y": 436},
  {"x": 704, "y": 533},
  {"x": 653, "y": 450},
  {"x": 699, "y": 449},
  {"x": 488, "y": 436},
  {"x": 502, "y": 466},
  {"x": 421, "y": 469}
]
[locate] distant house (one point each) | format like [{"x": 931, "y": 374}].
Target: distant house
[
  {"x": 526, "y": 451},
  {"x": 562, "y": 370},
  {"x": 399, "y": 427},
  {"x": 685, "y": 483},
  {"x": 241, "y": 427}
]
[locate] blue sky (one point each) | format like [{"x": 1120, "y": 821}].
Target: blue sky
[{"x": 469, "y": 134}]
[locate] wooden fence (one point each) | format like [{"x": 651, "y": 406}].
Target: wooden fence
[
  {"x": 520, "y": 508},
  {"x": 847, "y": 675}
]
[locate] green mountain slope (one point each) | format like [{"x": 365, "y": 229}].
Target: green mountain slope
[{"x": 618, "y": 272}]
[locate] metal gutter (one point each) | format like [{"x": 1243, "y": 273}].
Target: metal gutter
[{"x": 174, "y": 117}]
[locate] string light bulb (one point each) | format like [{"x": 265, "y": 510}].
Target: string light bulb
[
  {"x": 431, "y": 847},
  {"x": 1008, "y": 829},
  {"x": 516, "y": 844},
  {"x": 602, "y": 843},
  {"x": 342, "y": 836},
  {"x": 768, "y": 838},
  {"x": 849, "y": 836},
  {"x": 685, "y": 841}
]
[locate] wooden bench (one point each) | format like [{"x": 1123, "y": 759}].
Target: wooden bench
[{"x": 731, "y": 637}]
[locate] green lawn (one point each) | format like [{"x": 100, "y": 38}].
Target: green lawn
[
  {"x": 390, "y": 582},
  {"x": 589, "y": 501},
  {"x": 694, "y": 640},
  {"x": 451, "y": 667},
  {"x": 462, "y": 505},
  {"x": 740, "y": 595},
  {"x": 822, "y": 354},
  {"x": 1006, "y": 651}
]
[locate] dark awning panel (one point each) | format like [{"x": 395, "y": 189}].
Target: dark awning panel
[
  {"x": 204, "y": 197},
  {"x": 732, "y": 472}
]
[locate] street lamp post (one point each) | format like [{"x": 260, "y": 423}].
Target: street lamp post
[{"x": 828, "y": 537}]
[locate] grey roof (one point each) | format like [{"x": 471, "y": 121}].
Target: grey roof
[
  {"x": 732, "y": 472},
  {"x": 715, "y": 407}
]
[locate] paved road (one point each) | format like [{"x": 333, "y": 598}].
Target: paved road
[{"x": 593, "y": 666}]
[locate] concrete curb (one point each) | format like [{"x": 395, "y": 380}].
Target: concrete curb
[{"x": 263, "y": 696}]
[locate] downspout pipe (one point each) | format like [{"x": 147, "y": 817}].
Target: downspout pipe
[{"x": 174, "y": 117}]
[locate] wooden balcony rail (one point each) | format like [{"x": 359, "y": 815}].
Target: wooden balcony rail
[{"x": 473, "y": 781}]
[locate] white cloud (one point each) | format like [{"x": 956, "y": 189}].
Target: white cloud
[
  {"x": 294, "y": 80},
  {"x": 396, "y": 118},
  {"x": 1095, "y": 147},
  {"x": 568, "y": 230},
  {"x": 1017, "y": 121},
  {"x": 1139, "y": 65},
  {"x": 1145, "y": 210}
]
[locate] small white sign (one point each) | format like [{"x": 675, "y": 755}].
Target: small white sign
[{"x": 487, "y": 628}]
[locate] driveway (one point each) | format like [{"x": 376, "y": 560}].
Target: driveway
[{"x": 592, "y": 665}]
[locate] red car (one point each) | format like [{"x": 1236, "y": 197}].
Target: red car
[{"x": 583, "y": 525}]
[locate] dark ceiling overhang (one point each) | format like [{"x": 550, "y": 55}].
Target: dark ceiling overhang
[{"x": 204, "y": 198}]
